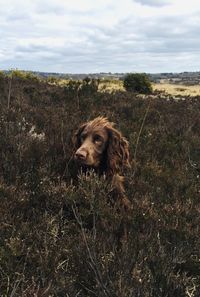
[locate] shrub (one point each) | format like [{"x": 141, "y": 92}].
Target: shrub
[
  {"x": 2, "y": 74},
  {"x": 52, "y": 80},
  {"x": 137, "y": 82},
  {"x": 89, "y": 86},
  {"x": 30, "y": 76},
  {"x": 85, "y": 87},
  {"x": 23, "y": 75}
]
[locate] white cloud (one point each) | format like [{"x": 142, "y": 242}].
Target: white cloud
[
  {"x": 100, "y": 35},
  {"x": 153, "y": 2}
]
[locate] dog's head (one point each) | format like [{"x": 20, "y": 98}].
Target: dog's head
[{"x": 98, "y": 142}]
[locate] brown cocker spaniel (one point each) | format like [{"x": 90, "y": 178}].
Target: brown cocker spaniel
[{"x": 100, "y": 146}]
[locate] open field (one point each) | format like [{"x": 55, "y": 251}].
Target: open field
[
  {"x": 171, "y": 89},
  {"x": 61, "y": 236},
  {"x": 176, "y": 90}
]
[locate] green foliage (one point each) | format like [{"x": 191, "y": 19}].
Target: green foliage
[
  {"x": 52, "y": 80},
  {"x": 138, "y": 83},
  {"x": 61, "y": 235},
  {"x": 1, "y": 74},
  {"x": 30, "y": 76},
  {"x": 86, "y": 87},
  {"x": 23, "y": 75},
  {"x": 15, "y": 73}
]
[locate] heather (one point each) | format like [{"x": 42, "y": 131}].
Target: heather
[{"x": 59, "y": 234}]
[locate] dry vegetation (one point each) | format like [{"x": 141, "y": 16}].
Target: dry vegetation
[
  {"x": 171, "y": 89},
  {"x": 60, "y": 236},
  {"x": 177, "y": 90},
  {"x": 111, "y": 86}
]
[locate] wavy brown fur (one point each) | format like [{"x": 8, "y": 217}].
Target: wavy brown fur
[{"x": 100, "y": 146}]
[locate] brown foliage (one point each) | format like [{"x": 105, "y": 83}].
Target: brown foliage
[{"x": 60, "y": 239}]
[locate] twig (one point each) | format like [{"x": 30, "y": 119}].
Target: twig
[
  {"x": 9, "y": 91},
  {"x": 139, "y": 134},
  {"x": 141, "y": 128},
  {"x": 194, "y": 165}
]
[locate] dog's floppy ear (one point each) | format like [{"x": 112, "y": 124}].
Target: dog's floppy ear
[
  {"x": 77, "y": 136},
  {"x": 117, "y": 151}
]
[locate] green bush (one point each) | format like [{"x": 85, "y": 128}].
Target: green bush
[
  {"x": 23, "y": 75},
  {"x": 2, "y": 75},
  {"x": 138, "y": 83},
  {"x": 52, "y": 80},
  {"x": 81, "y": 88}
]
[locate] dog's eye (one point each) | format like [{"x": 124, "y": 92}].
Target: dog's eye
[
  {"x": 83, "y": 137},
  {"x": 97, "y": 139}
]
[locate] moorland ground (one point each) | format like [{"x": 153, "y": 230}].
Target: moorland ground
[{"x": 61, "y": 238}]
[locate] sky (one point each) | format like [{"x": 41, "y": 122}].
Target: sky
[{"x": 92, "y": 36}]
